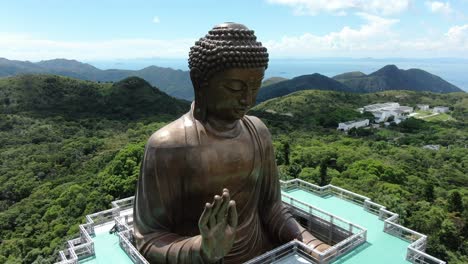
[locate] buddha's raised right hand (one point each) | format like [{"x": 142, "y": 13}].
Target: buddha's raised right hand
[{"x": 217, "y": 225}]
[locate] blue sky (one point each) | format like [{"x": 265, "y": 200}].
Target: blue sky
[{"x": 124, "y": 29}]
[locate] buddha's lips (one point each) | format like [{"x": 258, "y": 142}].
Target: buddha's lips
[{"x": 242, "y": 108}]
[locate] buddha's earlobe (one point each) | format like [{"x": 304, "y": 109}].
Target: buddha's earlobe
[
  {"x": 200, "y": 106},
  {"x": 200, "y": 100}
]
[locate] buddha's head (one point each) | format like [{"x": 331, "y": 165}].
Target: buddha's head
[{"x": 226, "y": 67}]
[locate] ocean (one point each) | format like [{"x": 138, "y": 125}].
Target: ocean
[{"x": 452, "y": 70}]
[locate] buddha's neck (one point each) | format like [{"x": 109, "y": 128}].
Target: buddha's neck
[
  {"x": 220, "y": 124},
  {"x": 223, "y": 127}
]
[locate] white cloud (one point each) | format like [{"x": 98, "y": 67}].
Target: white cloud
[
  {"x": 440, "y": 7},
  {"x": 458, "y": 35},
  {"x": 375, "y": 38},
  {"x": 30, "y": 47},
  {"x": 156, "y": 20},
  {"x": 368, "y": 37},
  {"x": 313, "y": 7}
]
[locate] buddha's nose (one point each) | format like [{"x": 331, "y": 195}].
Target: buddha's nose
[{"x": 246, "y": 98}]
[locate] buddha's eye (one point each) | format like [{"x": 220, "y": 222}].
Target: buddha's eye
[{"x": 234, "y": 86}]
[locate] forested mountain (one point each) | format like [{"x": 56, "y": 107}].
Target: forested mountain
[
  {"x": 48, "y": 95},
  {"x": 173, "y": 82},
  {"x": 348, "y": 75},
  {"x": 272, "y": 80},
  {"x": 177, "y": 83},
  {"x": 387, "y": 78},
  {"x": 67, "y": 148},
  {"x": 70, "y": 147},
  {"x": 392, "y": 78},
  {"x": 304, "y": 82},
  {"x": 427, "y": 188}
]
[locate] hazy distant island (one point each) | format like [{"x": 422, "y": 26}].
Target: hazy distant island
[{"x": 177, "y": 83}]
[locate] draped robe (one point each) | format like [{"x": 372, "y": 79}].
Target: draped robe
[{"x": 184, "y": 166}]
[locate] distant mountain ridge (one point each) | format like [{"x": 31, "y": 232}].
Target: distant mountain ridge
[
  {"x": 176, "y": 83},
  {"x": 272, "y": 80},
  {"x": 387, "y": 78},
  {"x": 305, "y": 82},
  {"x": 392, "y": 78}
]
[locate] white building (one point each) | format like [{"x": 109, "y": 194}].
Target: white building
[
  {"x": 406, "y": 109},
  {"x": 350, "y": 124},
  {"x": 423, "y": 107},
  {"x": 441, "y": 109},
  {"x": 382, "y": 112},
  {"x": 382, "y": 106},
  {"x": 432, "y": 147}
]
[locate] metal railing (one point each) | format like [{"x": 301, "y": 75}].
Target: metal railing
[
  {"x": 415, "y": 251},
  {"x": 125, "y": 238},
  {"x": 67, "y": 256},
  {"x": 124, "y": 204},
  {"x": 83, "y": 246},
  {"x": 102, "y": 217},
  {"x": 283, "y": 251},
  {"x": 333, "y": 222}
]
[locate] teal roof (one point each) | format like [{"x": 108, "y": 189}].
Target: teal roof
[
  {"x": 107, "y": 249},
  {"x": 380, "y": 247}
]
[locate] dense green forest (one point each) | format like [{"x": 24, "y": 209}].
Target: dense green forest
[
  {"x": 69, "y": 147},
  {"x": 427, "y": 188}
]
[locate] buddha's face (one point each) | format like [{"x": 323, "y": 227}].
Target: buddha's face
[{"x": 231, "y": 93}]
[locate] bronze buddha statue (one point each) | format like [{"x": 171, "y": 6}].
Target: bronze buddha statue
[{"x": 215, "y": 153}]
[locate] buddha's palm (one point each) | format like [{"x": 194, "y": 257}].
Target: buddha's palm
[{"x": 218, "y": 224}]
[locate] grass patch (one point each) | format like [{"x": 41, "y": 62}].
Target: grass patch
[{"x": 440, "y": 117}]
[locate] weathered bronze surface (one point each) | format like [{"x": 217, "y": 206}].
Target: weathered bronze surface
[{"x": 208, "y": 190}]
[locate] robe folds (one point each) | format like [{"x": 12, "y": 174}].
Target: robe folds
[{"x": 184, "y": 167}]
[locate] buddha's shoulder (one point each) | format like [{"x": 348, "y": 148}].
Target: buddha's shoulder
[
  {"x": 171, "y": 135},
  {"x": 258, "y": 124}
]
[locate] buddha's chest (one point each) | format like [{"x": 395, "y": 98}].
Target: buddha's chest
[{"x": 228, "y": 163}]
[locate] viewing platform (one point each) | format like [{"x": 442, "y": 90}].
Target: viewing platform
[{"x": 359, "y": 230}]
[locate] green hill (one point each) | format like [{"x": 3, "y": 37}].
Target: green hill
[
  {"x": 48, "y": 95},
  {"x": 305, "y": 82},
  {"x": 392, "y": 78},
  {"x": 68, "y": 148},
  {"x": 173, "y": 82},
  {"x": 385, "y": 79},
  {"x": 273, "y": 80},
  {"x": 177, "y": 83},
  {"x": 311, "y": 108},
  {"x": 348, "y": 75}
]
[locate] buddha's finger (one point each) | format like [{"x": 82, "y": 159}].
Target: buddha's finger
[
  {"x": 232, "y": 214},
  {"x": 221, "y": 215},
  {"x": 204, "y": 218},
  {"x": 216, "y": 204}
]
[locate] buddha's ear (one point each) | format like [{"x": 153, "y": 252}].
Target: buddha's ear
[
  {"x": 200, "y": 102},
  {"x": 196, "y": 77}
]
